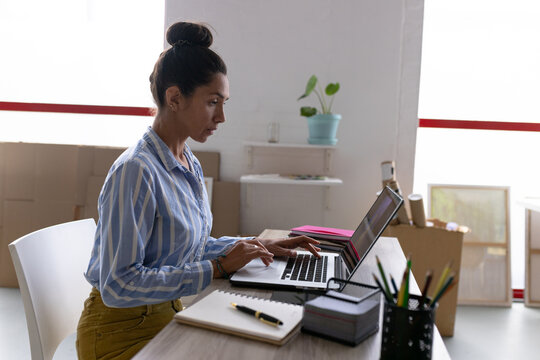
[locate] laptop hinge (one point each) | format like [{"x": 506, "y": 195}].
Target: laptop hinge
[{"x": 338, "y": 262}]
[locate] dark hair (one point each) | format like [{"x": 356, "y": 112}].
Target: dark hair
[{"x": 188, "y": 64}]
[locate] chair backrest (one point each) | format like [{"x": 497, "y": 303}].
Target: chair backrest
[{"x": 49, "y": 264}]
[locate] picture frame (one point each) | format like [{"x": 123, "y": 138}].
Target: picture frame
[{"x": 485, "y": 276}]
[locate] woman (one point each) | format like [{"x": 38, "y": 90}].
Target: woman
[{"x": 153, "y": 242}]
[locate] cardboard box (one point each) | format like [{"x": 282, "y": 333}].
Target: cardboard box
[
  {"x": 210, "y": 163},
  {"x": 433, "y": 248},
  {"x": 19, "y": 169},
  {"x": 18, "y": 219},
  {"x": 48, "y": 213},
  {"x": 104, "y": 157},
  {"x": 226, "y": 208},
  {"x": 55, "y": 173},
  {"x": 85, "y": 169},
  {"x": 45, "y": 184},
  {"x": 2, "y": 162},
  {"x": 93, "y": 189},
  {"x": 2, "y": 177},
  {"x": 7, "y": 271},
  {"x": 18, "y": 222}
]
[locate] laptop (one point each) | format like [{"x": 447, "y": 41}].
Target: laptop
[{"x": 306, "y": 271}]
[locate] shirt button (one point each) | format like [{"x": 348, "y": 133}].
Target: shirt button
[{"x": 132, "y": 283}]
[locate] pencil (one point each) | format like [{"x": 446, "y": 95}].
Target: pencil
[
  {"x": 390, "y": 300},
  {"x": 406, "y": 293},
  {"x": 383, "y": 276},
  {"x": 443, "y": 290},
  {"x": 402, "y": 289},
  {"x": 452, "y": 284},
  {"x": 429, "y": 276},
  {"x": 442, "y": 279}
]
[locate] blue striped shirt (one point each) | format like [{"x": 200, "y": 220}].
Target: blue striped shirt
[{"x": 153, "y": 240}]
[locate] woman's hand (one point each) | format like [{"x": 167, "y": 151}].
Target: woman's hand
[
  {"x": 284, "y": 247},
  {"x": 242, "y": 252}
]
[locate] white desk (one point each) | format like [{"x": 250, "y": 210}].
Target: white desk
[{"x": 177, "y": 341}]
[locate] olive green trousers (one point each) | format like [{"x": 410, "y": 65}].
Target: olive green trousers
[{"x": 119, "y": 333}]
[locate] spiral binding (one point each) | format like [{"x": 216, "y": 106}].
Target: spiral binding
[{"x": 254, "y": 297}]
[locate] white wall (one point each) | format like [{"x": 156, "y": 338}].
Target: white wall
[{"x": 371, "y": 47}]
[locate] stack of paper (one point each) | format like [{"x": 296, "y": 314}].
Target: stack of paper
[{"x": 344, "y": 321}]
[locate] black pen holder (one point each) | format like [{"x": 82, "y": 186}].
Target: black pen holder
[{"x": 407, "y": 332}]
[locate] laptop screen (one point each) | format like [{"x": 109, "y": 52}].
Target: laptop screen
[{"x": 372, "y": 226}]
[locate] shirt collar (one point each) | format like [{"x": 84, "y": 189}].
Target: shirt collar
[{"x": 162, "y": 150}]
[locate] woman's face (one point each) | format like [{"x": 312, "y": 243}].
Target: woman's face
[{"x": 203, "y": 111}]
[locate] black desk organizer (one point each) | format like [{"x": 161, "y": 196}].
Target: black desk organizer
[{"x": 407, "y": 332}]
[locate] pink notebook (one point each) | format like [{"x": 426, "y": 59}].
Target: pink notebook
[{"x": 323, "y": 232}]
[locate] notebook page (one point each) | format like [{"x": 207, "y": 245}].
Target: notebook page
[{"x": 215, "y": 311}]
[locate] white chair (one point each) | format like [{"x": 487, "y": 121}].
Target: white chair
[{"x": 50, "y": 264}]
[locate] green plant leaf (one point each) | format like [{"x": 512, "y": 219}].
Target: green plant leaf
[
  {"x": 311, "y": 84},
  {"x": 309, "y": 87},
  {"x": 307, "y": 111},
  {"x": 331, "y": 89}
]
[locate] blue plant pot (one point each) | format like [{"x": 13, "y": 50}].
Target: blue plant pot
[{"x": 323, "y": 129}]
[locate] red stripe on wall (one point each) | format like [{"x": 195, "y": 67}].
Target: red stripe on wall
[
  {"x": 77, "y": 109},
  {"x": 478, "y": 125},
  {"x": 145, "y": 111}
]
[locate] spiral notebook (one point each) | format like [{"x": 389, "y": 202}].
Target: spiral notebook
[{"x": 215, "y": 312}]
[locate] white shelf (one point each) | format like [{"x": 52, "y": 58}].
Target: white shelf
[
  {"x": 284, "y": 145},
  {"x": 278, "y": 179},
  {"x": 326, "y": 149}
]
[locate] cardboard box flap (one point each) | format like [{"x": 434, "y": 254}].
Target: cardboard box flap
[{"x": 450, "y": 226}]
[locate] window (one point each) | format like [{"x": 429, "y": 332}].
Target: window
[
  {"x": 91, "y": 52},
  {"x": 480, "y": 61}
]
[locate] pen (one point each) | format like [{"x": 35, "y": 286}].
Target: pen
[
  {"x": 429, "y": 276},
  {"x": 265, "y": 318},
  {"x": 442, "y": 290},
  {"x": 389, "y": 299},
  {"x": 394, "y": 284},
  {"x": 406, "y": 292}
]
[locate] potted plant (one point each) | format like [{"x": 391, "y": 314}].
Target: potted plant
[{"x": 322, "y": 126}]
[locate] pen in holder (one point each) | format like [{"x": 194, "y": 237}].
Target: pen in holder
[{"x": 408, "y": 331}]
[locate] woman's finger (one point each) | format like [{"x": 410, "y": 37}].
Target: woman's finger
[
  {"x": 256, "y": 242},
  {"x": 252, "y": 245},
  {"x": 297, "y": 240},
  {"x": 312, "y": 249},
  {"x": 257, "y": 252},
  {"x": 283, "y": 251}
]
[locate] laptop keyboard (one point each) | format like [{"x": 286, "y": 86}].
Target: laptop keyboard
[{"x": 306, "y": 268}]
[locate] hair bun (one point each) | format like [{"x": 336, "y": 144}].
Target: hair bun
[{"x": 189, "y": 33}]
